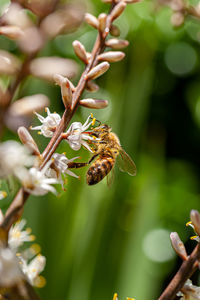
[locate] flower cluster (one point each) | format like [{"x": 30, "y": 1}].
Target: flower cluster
[
  {"x": 189, "y": 291},
  {"x": 16, "y": 264},
  {"x": 115, "y": 297}
]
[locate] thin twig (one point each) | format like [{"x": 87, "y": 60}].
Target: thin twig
[
  {"x": 16, "y": 208},
  {"x": 186, "y": 270}
]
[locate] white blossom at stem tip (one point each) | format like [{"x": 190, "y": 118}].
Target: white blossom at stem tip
[{"x": 49, "y": 124}]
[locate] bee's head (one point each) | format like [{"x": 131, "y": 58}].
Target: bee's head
[{"x": 102, "y": 129}]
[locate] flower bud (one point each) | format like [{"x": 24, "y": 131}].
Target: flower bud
[
  {"x": 98, "y": 70},
  {"x": 27, "y": 140},
  {"x": 92, "y": 20},
  {"x": 116, "y": 44},
  {"x": 80, "y": 51},
  {"x": 47, "y": 67},
  {"x": 29, "y": 104},
  {"x": 177, "y": 19},
  {"x": 132, "y": 1},
  {"x": 88, "y": 56},
  {"x": 117, "y": 10},
  {"x": 114, "y": 30},
  {"x": 92, "y": 86},
  {"x": 178, "y": 245},
  {"x": 12, "y": 32},
  {"x": 111, "y": 56},
  {"x": 59, "y": 78},
  {"x": 9, "y": 64},
  {"x": 66, "y": 90},
  {"x": 32, "y": 40},
  {"x": 195, "y": 218},
  {"x": 94, "y": 103},
  {"x": 102, "y": 22}
]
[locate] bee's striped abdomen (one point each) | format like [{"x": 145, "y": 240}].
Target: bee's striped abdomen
[{"x": 99, "y": 169}]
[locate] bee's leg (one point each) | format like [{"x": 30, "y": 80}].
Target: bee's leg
[
  {"x": 92, "y": 158},
  {"x": 75, "y": 165}
]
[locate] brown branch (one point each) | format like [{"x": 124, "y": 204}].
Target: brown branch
[
  {"x": 16, "y": 208},
  {"x": 186, "y": 270}
]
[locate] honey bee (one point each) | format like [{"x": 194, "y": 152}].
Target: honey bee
[{"x": 107, "y": 150}]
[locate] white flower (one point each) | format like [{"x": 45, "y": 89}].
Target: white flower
[
  {"x": 49, "y": 123},
  {"x": 16, "y": 237},
  {"x": 33, "y": 268},
  {"x": 37, "y": 183},
  {"x": 3, "y": 194},
  {"x": 195, "y": 237},
  {"x": 60, "y": 166},
  {"x": 189, "y": 291},
  {"x": 13, "y": 158},
  {"x": 77, "y": 136},
  {"x": 10, "y": 272}
]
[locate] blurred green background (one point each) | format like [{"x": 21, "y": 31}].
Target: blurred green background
[{"x": 100, "y": 240}]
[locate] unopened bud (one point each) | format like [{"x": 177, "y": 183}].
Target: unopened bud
[
  {"x": 80, "y": 51},
  {"x": 27, "y": 140},
  {"x": 12, "y": 32},
  {"x": 27, "y": 105},
  {"x": 111, "y": 56},
  {"x": 132, "y": 1},
  {"x": 116, "y": 44},
  {"x": 195, "y": 218},
  {"x": 92, "y": 86},
  {"x": 94, "y": 103},
  {"x": 117, "y": 10},
  {"x": 102, "y": 22},
  {"x": 92, "y": 20},
  {"x": 98, "y": 70},
  {"x": 114, "y": 30},
  {"x": 177, "y": 19},
  {"x": 66, "y": 89},
  {"x": 59, "y": 78},
  {"x": 178, "y": 245},
  {"x": 88, "y": 56}
]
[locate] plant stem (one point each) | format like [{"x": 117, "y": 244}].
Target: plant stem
[{"x": 186, "y": 270}]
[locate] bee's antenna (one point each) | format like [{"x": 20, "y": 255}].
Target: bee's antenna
[{"x": 98, "y": 122}]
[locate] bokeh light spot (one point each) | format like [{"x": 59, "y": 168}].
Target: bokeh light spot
[
  {"x": 157, "y": 246},
  {"x": 180, "y": 58}
]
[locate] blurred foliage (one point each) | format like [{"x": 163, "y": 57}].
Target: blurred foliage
[{"x": 99, "y": 240}]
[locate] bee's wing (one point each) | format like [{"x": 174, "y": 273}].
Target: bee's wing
[
  {"x": 110, "y": 178},
  {"x": 125, "y": 163}
]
